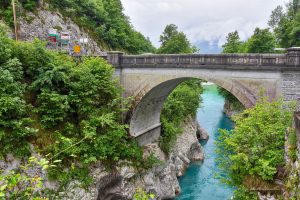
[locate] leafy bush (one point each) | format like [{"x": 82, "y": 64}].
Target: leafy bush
[
  {"x": 14, "y": 121},
  {"x": 292, "y": 144},
  {"x": 256, "y": 144},
  {"x": 142, "y": 195},
  {"x": 244, "y": 194},
  {"x": 19, "y": 185},
  {"x": 53, "y": 108}
]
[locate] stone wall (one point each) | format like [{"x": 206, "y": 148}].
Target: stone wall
[{"x": 291, "y": 85}]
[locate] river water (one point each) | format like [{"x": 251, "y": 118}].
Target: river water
[{"x": 199, "y": 181}]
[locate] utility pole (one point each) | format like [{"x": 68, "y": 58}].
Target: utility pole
[{"x": 15, "y": 19}]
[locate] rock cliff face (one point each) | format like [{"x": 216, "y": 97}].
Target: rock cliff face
[
  {"x": 37, "y": 25},
  {"x": 161, "y": 180}
]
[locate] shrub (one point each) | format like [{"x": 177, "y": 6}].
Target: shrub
[
  {"x": 244, "y": 194},
  {"x": 19, "y": 185},
  {"x": 256, "y": 144},
  {"x": 292, "y": 144}
]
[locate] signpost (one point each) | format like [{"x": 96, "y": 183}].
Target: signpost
[
  {"x": 15, "y": 19},
  {"x": 65, "y": 38},
  {"x": 53, "y": 38}
]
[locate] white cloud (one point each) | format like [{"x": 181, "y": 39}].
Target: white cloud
[{"x": 202, "y": 20}]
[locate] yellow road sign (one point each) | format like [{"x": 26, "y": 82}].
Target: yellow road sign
[{"x": 77, "y": 49}]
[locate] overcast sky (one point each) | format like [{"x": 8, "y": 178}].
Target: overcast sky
[{"x": 205, "y": 22}]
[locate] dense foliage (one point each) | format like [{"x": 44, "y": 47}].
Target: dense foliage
[
  {"x": 106, "y": 21},
  {"x": 255, "y": 147},
  {"x": 262, "y": 41},
  {"x": 14, "y": 119},
  {"x": 68, "y": 110},
  {"x": 12, "y": 182},
  {"x": 103, "y": 19},
  {"x": 175, "y": 42},
  {"x": 286, "y": 24},
  {"x": 245, "y": 194},
  {"x": 182, "y": 102}
]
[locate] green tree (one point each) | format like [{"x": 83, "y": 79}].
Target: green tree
[
  {"x": 175, "y": 42},
  {"x": 233, "y": 43},
  {"x": 276, "y": 16},
  {"x": 168, "y": 33},
  {"x": 262, "y": 41},
  {"x": 286, "y": 24}
]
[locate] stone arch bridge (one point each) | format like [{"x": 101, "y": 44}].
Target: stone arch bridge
[{"x": 151, "y": 78}]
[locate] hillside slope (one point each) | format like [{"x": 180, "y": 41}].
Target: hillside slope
[{"x": 102, "y": 21}]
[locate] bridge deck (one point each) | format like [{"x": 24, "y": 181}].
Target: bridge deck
[{"x": 226, "y": 61}]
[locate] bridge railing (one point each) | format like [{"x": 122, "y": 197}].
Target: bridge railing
[
  {"x": 291, "y": 59},
  {"x": 194, "y": 59}
]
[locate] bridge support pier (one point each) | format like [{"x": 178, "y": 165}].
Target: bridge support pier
[{"x": 149, "y": 135}]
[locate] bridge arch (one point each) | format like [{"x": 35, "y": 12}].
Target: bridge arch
[{"x": 144, "y": 122}]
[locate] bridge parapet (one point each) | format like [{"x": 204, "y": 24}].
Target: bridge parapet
[
  {"x": 209, "y": 59},
  {"x": 114, "y": 58},
  {"x": 254, "y": 61},
  {"x": 293, "y": 56}
]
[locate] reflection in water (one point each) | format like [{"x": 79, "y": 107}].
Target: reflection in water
[{"x": 199, "y": 181}]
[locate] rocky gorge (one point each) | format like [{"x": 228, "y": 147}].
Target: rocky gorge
[{"x": 161, "y": 180}]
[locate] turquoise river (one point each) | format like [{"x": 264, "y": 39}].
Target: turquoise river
[{"x": 199, "y": 181}]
